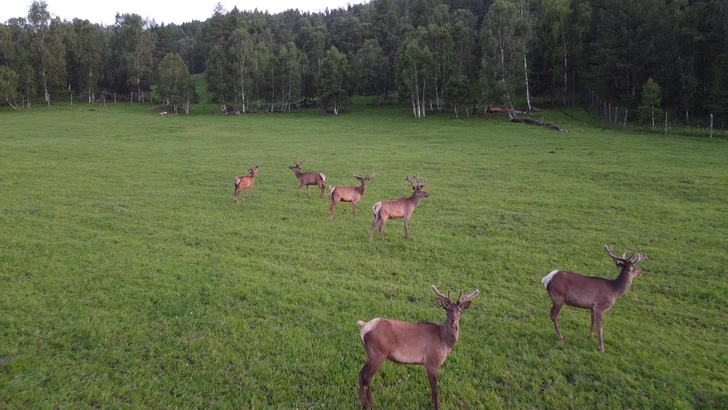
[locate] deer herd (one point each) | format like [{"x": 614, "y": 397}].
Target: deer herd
[{"x": 429, "y": 344}]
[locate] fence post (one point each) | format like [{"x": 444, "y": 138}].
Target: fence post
[
  {"x": 711, "y": 125},
  {"x": 665, "y": 122},
  {"x": 624, "y": 124}
]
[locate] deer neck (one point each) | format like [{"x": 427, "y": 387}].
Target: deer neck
[
  {"x": 414, "y": 200},
  {"x": 449, "y": 331},
  {"x": 623, "y": 282}
]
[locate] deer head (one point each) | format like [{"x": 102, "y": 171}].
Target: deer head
[{"x": 627, "y": 262}]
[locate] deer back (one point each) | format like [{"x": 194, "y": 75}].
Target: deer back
[
  {"x": 403, "y": 342},
  {"x": 247, "y": 180},
  {"x": 579, "y": 290},
  {"x": 346, "y": 193}
]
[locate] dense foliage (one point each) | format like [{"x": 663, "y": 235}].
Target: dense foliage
[{"x": 504, "y": 49}]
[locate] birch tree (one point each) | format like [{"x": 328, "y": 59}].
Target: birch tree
[
  {"x": 174, "y": 83},
  {"x": 503, "y": 38},
  {"x": 135, "y": 52},
  {"x": 290, "y": 60},
  {"x": 651, "y": 100},
  {"x": 333, "y": 81},
  {"x": 48, "y": 48},
  {"x": 88, "y": 46},
  {"x": 564, "y": 26},
  {"x": 9, "y": 86},
  {"x": 414, "y": 71},
  {"x": 241, "y": 49},
  {"x": 218, "y": 77}
]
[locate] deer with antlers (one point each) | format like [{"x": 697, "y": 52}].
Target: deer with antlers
[
  {"x": 423, "y": 343},
  {"x": 245, "y": 182},
  {"x": 349, "y": 194},
  {"x": 308, "y": 178},
  {"x": 398, "y": 208},
  {"x": 591, "y": 292}
]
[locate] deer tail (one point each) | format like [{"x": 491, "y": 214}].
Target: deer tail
[
  {"x": 331, "y": 190},
  {"x": 237, "y": 182},
  {"x": 376, "y": 208},
  {"x": 361, "y": 323},
  {"x": 323, "y": 177},
  {"x": 546, "y": 279}
]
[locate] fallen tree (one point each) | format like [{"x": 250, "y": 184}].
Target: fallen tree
[{"x": 515, "y": 118}]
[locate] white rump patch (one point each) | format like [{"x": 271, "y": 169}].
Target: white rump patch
[
  {"x": 322, "y": 176},
  {"x": 376, "y": 208},
  {"x": 546, "y": 279},
  {"x": 367, "y": 327}
]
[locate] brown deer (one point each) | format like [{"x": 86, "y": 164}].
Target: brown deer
[
  {"x": 308, "y": 179},
  {"x": 398, "y": 208},
  {"x": 241, "y": 183},
  {"x": 591, "y": 292},
  {"x": 349, "y": 194},
  {"x": 423, "y": 343}
]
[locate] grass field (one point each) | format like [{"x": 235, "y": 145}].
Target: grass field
[{"x": 130, "y": 279}]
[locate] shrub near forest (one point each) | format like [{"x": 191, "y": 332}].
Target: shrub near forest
[{"x": 159, "y": 291}]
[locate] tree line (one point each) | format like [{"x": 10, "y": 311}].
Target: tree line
[{"x": 434, "y": 55}]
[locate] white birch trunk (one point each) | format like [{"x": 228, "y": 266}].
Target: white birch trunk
[{"x": 528, "y": 94}]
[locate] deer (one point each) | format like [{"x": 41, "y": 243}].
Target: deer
[
  {"x": 591, "y": 292},
  {"x": 423, "y": 343},
  {"x": 308, "y": 178},
  {"x": 349, "y": 194},
  {"x": 246, "y": 181},
  {"x": 398, "y": 208}
]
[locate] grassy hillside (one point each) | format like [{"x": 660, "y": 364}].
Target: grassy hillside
[{"x": 130, "y": 279}]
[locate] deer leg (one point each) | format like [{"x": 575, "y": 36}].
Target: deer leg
[
  {"x": 299, "y": 189},
  {"x": 353, "y": 210},
  {"x": 333, "y": 205},
  {"x": 432, "y": 376},
  {"x": 322, "y": 187},
  {"x": 251, "y": 192},
  {"x": 599, "y": 329},
  {"x": 591, "y": 329},
  {"x": 371, "y": 230},
  {"x": 381, "y": 228},
  {"x": 406, "y": 228},
  {"x": 365, "y": 381},
  {"x": 308, "y": 190},
  {"x": 555, "y": 318}
]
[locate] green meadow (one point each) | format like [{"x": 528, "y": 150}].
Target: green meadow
[{"x": 129, "y": 279}]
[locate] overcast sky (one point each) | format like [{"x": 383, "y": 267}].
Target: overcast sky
[{"x": 163, "y": 11}]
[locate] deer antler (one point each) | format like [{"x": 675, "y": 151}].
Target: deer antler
[
  {"x": 460, "y": 300},
  {"x": 440, "y": 295},
  {"x": 298, "y": 163},
  {"x": 416, "y": 183},
  {"x": 638, "y": 258},
  {"x": 624, "y": 258},
  {"x": 469, "y": 297}
]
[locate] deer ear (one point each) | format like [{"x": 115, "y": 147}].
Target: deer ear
[
  {"x": 440, "y": 302},
  {"x": 465, "y": 305}
]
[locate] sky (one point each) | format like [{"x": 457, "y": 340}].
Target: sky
[{"x": 162, "y": 11}]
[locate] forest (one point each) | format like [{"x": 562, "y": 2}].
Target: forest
[{"x": 649, "y": 56}]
